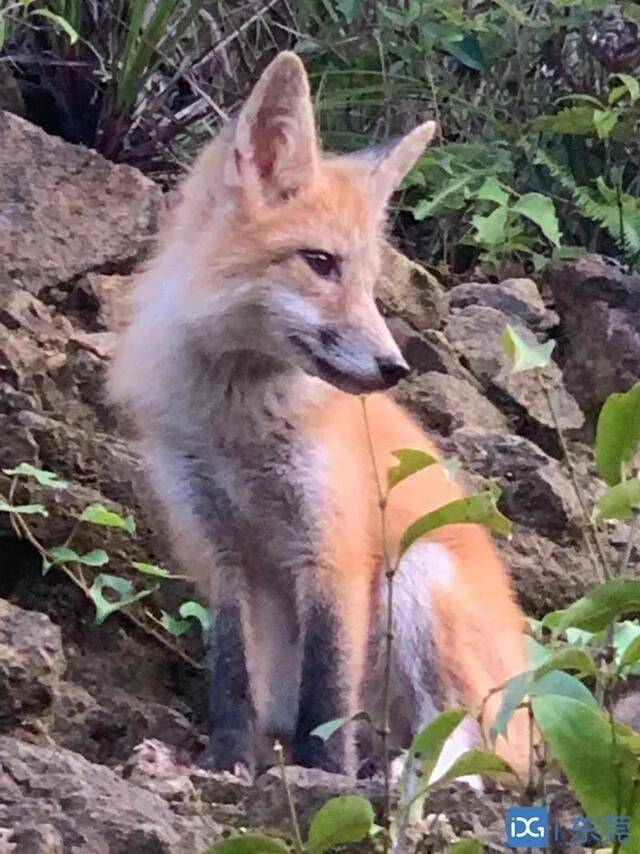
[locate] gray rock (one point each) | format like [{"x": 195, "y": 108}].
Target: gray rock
[
  {"x": 409, "y": 291},
  {"x": 310, "y": 788},
  {"x": 65, "y": 210},
  {"x": 32, "y": 663},
  {"x": 87, "y": 808},
  {"x": 475, "y": 333},
  {"x": 445, "y": 403},
  {"x": 517, "y": 298},
  {"x": 428, "y": 350},
  {"x": 536, "y": 491},
  {"x": 599, "y": 304}
]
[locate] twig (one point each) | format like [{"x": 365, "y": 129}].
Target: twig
[
  {"x": 390, "y": 572},
  {"x": 297, "y": 838},
  {"x": 599, "y": 561}
]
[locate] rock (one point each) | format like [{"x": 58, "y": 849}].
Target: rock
[
  {"x": 310, "y": 788},
  {"x": 546, "y": 575},
  {"x": 536, "y": 491},
  {"x": 428, "y": 350},
  {"x": 475, "y": 333},
  {"x": 32, "y": 663},
  {"x": 65, "y": 210},
  {"x": 100, "y": 303},
  {"x": 445, "y": 403},
  {"x": 88, "y": 807},
  {"x": 517, "y": 298},
  {"x": 599, "y": 305},
  {"x": 408, "y": 291}
]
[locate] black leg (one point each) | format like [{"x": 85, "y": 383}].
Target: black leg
[
  {"x": 231, "y": 712},
  {"x": 323, "y": 692}
]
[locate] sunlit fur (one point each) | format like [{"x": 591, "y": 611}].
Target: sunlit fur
[{"x": 213, "y": 355}]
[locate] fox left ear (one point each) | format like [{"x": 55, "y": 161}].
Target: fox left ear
[
  {"x": 275, "y": 149},
  {"x": 398, "y": 159}
]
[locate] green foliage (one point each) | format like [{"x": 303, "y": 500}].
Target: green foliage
[
  {"x": 524, "y": 356},
  {"x": 348, "y": 818},
  {"x": 250, "y": 843},
  {"x": 409, "y": 462},
  {"x": 474, "y": 509},
  {"x": 618, "y": 435},
  {"x": 108, "y": 592}
]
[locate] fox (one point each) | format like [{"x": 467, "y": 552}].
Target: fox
[{"x": 254, "y": 338}]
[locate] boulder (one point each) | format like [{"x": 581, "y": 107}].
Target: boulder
[
  {"x": 445, "y": 403},
  {"x": 598, "y": 301},
  {"x": 408, "y": 291},
  {"x": 536, "y": 491},
  {"x": 32, "y": 663},
  {"x": 55, "y": 796},
  {"x": 517, "y": 298},
  {"x": 65, "y": 210},
  {"x": 475, "y": 333}
]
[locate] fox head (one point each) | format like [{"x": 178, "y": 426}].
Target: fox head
[{"x": 285, "y": 242}]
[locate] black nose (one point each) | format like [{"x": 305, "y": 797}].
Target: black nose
[{"x": 391, "y": 371}]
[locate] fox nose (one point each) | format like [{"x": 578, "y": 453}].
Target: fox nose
[{"x": 392, "y": 371}]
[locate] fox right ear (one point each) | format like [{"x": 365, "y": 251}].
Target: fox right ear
[{"x": 275, "y": 150}]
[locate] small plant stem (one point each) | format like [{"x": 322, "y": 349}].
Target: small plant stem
[
  {"x": 23, "y": 530},
  {"x": 297, "y": 838},
  {"x": 390, "y": 572},
  {"x": 626, "y": 557},
  {"x": 598, "y": 561}
]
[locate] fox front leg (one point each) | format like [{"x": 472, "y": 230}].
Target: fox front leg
[{"x": 231, "y": 745}]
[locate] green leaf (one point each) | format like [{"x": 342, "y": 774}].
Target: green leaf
[
  {"x": 466, "y": 50},
  {"x": 326, "y": 730},
  {"x": 427, "y": 745},
  {"x": 575, "y": 121},
  {"x": 617, "y": 434},
  {"x": 250, "y": 843},
  {"x": 410, "y": 462},
  {"x": 482, "y": 762},
  {"x": 600, "y": 606},
  {"x": 630, "y": 84},
  {"x": 96, "y": 557},
  {"x": 491, "y": 190},
  {"x": 466, "y": 846},
  {"x": 122, "y": 591},
  {"x": 195, "y": 611},
  {"x": 524, "y": 356},
  {"x": 569, "y": 658},
  {"x": 58, "y": 21},
  {"x": 478, "y": 509},
  {"x": 151, "y": 569},
  {"x": 26, "y": 509},
  {"x": 348, "y": 818},
  {"x": 97, "y": 514},
  {"x": 172, "y": 626},
  {"x": 619, "y": 501},
  {"x": 604, "y": 122},
  {"x": 631, "y": 655},
  {"x": 514, "y": 692},
  {"x": 451, "y": 467},
  {"x": 559, "y": 683},
  {"x": 3, "y": 30},
  {"x": 46, "y": 478},
  {"x": 541, "y": 210},
  {"x": 490, "y": 228},
  {"x": 601, "y": 772}
]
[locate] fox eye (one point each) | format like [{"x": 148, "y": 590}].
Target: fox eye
[{"x": 323, "y": 263}]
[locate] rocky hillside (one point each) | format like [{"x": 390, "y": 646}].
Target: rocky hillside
[{"x": 77, "y": 700}]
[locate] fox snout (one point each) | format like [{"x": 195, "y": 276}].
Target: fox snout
[{"x": 344, "y": 357}]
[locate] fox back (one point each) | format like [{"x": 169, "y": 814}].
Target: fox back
[{"x": 254, "y": 331}]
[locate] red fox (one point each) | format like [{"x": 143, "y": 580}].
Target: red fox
[{"x": 255, "y": 331}]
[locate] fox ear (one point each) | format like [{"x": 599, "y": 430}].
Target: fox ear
[
  {"x": 398, "y": 158},
  {"x": 275, "y": 149}
]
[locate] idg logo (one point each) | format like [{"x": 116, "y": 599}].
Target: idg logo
[{"x": 528, "y": 827}]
